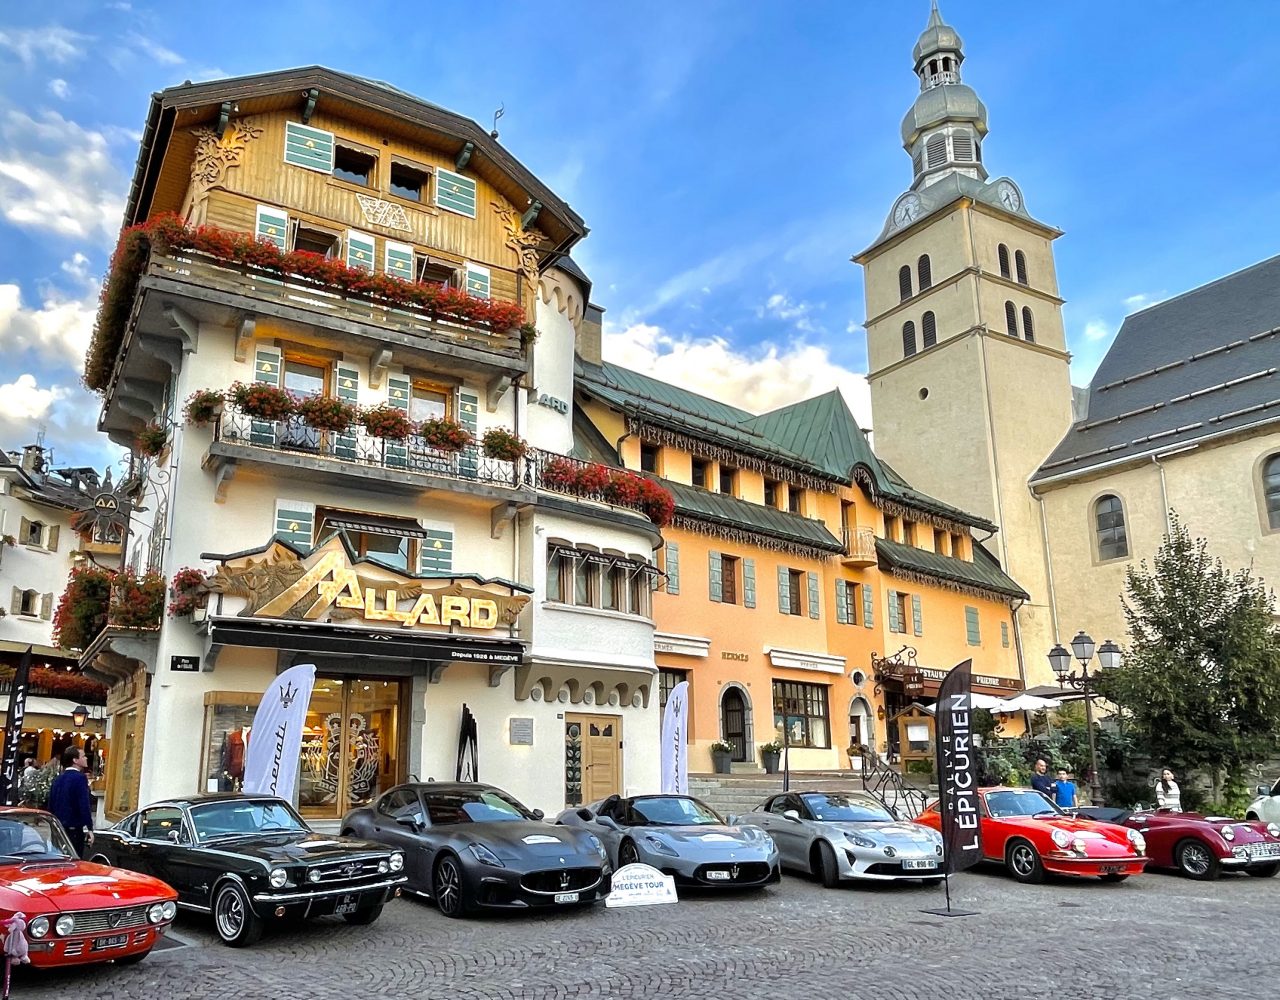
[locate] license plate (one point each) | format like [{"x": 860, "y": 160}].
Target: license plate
[
  {"x": 1111, "y": 869},
  {"x": 347, "y": 904},
  {"x": 566, "y": 897},
  {"x": 115, "y": 941},
  {"x": 716, "y": 876},
  {"x": 920, "y": 863}
]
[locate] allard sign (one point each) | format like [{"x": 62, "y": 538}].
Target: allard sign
[{"x": 327, "y": 586}]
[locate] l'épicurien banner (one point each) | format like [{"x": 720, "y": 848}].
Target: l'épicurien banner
[{"x": 958, "y": 771}]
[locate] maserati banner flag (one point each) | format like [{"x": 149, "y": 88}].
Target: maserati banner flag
[
  {"x": 675, "y": 741},
  {"x": 468, "y": 768},
  {"x": 271, "y": 762},
  {"x": 11, "y": 775},
  {"x": 958, "y": 771}
]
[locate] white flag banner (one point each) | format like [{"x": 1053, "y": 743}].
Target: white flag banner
[
  {"x": 275, "y": 741},
  {"x": 675, "y": 741}
]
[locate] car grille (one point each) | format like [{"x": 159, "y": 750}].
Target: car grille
[
  {"x": 95, "y": 921},
  {"x": 75, "y": 949},
  {"x": 346, "y": 871},
  {"x": 1263, "y": 850},
  {"x": 746, "y": 871},
  {"x": 560, "y": 880}
]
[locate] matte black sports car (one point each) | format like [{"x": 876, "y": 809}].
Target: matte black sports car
[
  {"x": 247, "y": 859},
  {"x": 471, "y": 846}
]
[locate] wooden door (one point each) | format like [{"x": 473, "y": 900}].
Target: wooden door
[
  {"x": 601, "y": 747},
  {"x": 735, "y": 723}
]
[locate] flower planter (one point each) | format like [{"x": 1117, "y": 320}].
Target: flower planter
[
  {"x": 771, "y": 759},
  {"x": 199, "y": 614},
  {"x": 721, "y": 761}
]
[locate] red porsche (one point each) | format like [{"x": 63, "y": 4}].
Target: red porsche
[
  {"x": 1030, "y": 836},
  {"x": 75, "y": 912}
]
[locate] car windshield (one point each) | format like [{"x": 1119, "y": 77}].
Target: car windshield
[
  {"x": 662, "y": 810},
  {"x": 845, "y": 809},
  {"x": 479, "y": 806},
  {"x": 1019, "y": 802},
  {"x": 244, "y": 817},
  {"x": 33, "y": 836}
]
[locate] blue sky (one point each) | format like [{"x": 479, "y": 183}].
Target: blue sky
[{"x": 729, "y": 157}]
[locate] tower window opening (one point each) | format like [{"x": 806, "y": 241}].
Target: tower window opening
[
  {"x": 1020, "y": 263},
  {"x": 908, "y": 339},
  {"x": 933, "y": 67},
  {"x": 925, "y": 272},
  {"x": 937, "y": 150},
  {"x": 929, "y": 329},
  {"x": 1028, "y": 326},
  {"x": 946, "y": 64},
  {"x": 904, "y": 282},
  {"x": 1011, "y": 319},
  {"x": 1002, "y": 252},
  {"x": 962, "y": 146}
]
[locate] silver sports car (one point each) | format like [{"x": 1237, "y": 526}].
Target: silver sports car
[
  {"x": 844, "y": 835},
  {"x": 681, "y": 837}
]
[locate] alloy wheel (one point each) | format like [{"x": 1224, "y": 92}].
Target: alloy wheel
[
  {"x": 1023, "y": 860},
  {"x": 627, "y": 854},
  {"x": 449, "y": 888},
  {"x": 229, "y": 914}
]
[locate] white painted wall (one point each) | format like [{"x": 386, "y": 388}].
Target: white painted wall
[{"x": 32, "y": 567}]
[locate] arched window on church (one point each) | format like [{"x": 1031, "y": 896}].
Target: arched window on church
[
  {"x": 1002, "y": 252},
  {"x": 946, "y": 64},
  {"x": 1108, "y": 515},
  {"x": 908, "y": 339},
  {"x": 1011, "y": 319},
  {"x": 1028, "y": 327},
  {"x": 937, "y": 149},
  {"x": 1020, "y": 261},
  {"x": 904, "y": 282},
  {"x": 933, "y": 67},
  {"x": 929, "y": 329},
  {"x": 1271, "y": 489},
  {"x": 925, "y": 272}
]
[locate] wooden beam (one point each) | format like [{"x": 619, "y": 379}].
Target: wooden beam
[
  {"x": 530, "y": 214},
  {"x": 495, "y": 390},
  {"x": 312, "y": 95},
  {"x": 187, "y": 326},
  {"x": 464, "y": 156},
  {"x": 500, "y": 515},
  {"x": 222, "y": 477},
  {"x": 378, "y": 365},
  {"x": 244, "y": 337},
  {"x": 224, "y": 115}
]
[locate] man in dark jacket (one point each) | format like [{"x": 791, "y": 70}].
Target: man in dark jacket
[{"x": 70, "y": 801}]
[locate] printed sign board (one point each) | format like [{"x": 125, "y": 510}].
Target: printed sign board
[{"x": 640, "y": 885}]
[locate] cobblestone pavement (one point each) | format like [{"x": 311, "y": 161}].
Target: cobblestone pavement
[{"x": 1155, "y": 937}]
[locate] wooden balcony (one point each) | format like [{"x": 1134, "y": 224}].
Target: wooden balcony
[{"x": 859, "y": 547}]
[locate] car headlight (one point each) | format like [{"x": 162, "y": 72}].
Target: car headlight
[
  {"x": 1062, "y": 838},
  {"x": 155, "y": 912},
  {"x": 1273, "y": 830},
  {"x": 1228, "y": 833},
  {"x": 39, "y": 927},
  {"x": 769, "y": 845},
  {"x": 597, "y": 846},
  {"x": 278, "y": 878},
  {"x": 662, "y": 847},
  {"x": 397, "y": 861},
  {"x": 169, "y": 910},
  {"x": 485, "y": 856},
  {"x": 384, "y": 867},
  {"x": 65, "y": 925},
  {"x": 859, "y": 839},
  {"x": 313, "y": 875},
  {"x": 1079, "y": 846},
  {"x": 1139, "y": 841}
]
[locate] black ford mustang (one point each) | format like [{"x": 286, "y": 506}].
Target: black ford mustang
[
  {"x": 470, "y": 846},
  {"x": 247, "y": 859}
]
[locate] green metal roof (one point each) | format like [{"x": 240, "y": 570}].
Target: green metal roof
[
  {"x": 821, "y": 429},
  {"x": 732, "y": 512},
  {"x": 984, "y": 572}
]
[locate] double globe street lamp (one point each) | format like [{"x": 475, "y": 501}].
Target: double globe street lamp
[{"x": 1082, "y": 647}]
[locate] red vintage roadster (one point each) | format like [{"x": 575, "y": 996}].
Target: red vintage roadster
[
  {"x": 1030, "y": 836},
  {"x": 75, "y": 912},
  {"x": 1202, "y": 847}
]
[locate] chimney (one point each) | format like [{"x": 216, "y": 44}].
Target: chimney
[
  {"x": 590, "y": 333},
  {"x": 33, "y": 458}
]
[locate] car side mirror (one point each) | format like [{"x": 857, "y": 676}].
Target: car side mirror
[
  {"x": 1263, "y": 790},
  {"x": 538, "y": 814},
  {"x": 792, "y": 815},
  {"x": 414, "y": 823},
  {"x": 608, "y": 822}
]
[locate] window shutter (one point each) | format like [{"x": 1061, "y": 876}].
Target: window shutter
[
  {"x": 894, "y": 624},
  {"x": 673, "y": 568},
  {"x": 272, "y": 225},
  {"x": 398, "y": 261},
  {"x": 15, "y": 602},
  {"x": 1004, "y": 634},
  {"x": 359, "y": 250},
  {"x": 842, "y": 610},
  {"x": 917, "y": 619},
  {"x": 868, "y": 606},
  {"x": 937, "y": 149},
  {"x": 266, "y": 369},
  {"x": 974, "y": 635},
  {"x": 748, "y": 583},
  {"x": 46, "y": 606},
  {"x": 308, "y": 147},
  {"x": 346, "y": 383},
  {"x": 929, "y": 327},
  {"x": 398, "y": 389},
  {"x": 455, "y": 193},
  {"x": 295, "y": 521},
  {"x": 717, "y": 583},
  {"x": 784, "y": 590},
  {"x": 477, "y": 280},
  {"x": 435, "y": 552},
  {"x": 815, "y": 607},
  {"x": 24, "y": 530},
  {"x": 469, "y": 418},
  {"x": 51, "y": 537}
]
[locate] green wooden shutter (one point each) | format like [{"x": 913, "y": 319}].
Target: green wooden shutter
[
  {"x": 455, "y": 193},
  {"x": 868, "y": 605},
  {"x": 894, "y": 624},
  {"x": 917, "y": 619},
  {"x": 435, "y": 552},
  {"x": 266, "y": 369},
  {"x": 477, "y": 280},
  {"x": 1004, "y": 634},
  {"x": 359, "y": 250},
  {"x": 784, "y": 590},
  {"x": 842, "y": 607},
  {"x": 469, "y": 418},
  {"x": 673, "y": 567},
  {"x": 295, "y": 521},
  {"x": 346, "y": 383},
  {"x": 308, "y": 147},
  {"x": 972, "y": 627},
  {"x": 398, "y": 260},
  {"x": 713, "y": 574},
  {"x": 815, "y": 608},
  {"x": 272, "y": 225},
  {"x": 748, "y": 583},
  {"x": 398, "y": 389}
]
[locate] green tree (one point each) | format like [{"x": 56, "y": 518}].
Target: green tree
[{"x": 1201, "y": 678}]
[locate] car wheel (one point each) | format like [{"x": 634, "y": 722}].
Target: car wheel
[
  {"x": 364, "y": 915},
  {"x": 447, "y": 887},
  {"x": 234, "y": 920},
  {"x": 1024, "y": 863},
  {"x": 1196, "y": 861},
  {"x": 628, "y": 854},
  {"x": 1263, "y": 871},
  {"x": 1113, "y": 877},
  {"x": 827, "y": 869}
]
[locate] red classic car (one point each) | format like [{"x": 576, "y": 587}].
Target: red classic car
[
  {"x": 1202, "y": 847},
  {"x": 1030, "y": 836},
  {"x": 75, "y": 912}
]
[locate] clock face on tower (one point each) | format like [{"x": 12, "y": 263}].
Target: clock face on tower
[
  {"x": 907, "y": 210},
  {"x": 1008, "y": 195}
]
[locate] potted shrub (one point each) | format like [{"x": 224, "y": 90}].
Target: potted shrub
[
  {"x": 152, "y": 439},
  {"x": 502, "y": 444},
  {"x": 262, "y": 401},
  {"x": 591, "y": 479},
  {"x": 387, "y": 421},
  {"x": 444, "y": 435},
  {"x": 559, "y": 474},
  {"x": 623, "y": 489},
  {"x": 657, "y": 503},
  {"x": 327, "y": 413},
  {"x": 721, "y": 756},
  {"x": 771, "y": 756},
  {"x": 202, "y": 407},
  {"x": 189, "y": 594},
  {"x": 528, "y": 335}
]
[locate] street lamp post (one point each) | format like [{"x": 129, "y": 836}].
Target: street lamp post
[{"x": 1082, "y": 647}]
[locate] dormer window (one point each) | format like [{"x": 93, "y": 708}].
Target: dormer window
[
  {"x": 353, "y": 165},
  {"x": 408, "y": 183}
]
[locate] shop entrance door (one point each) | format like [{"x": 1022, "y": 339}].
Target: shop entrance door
[
  {"x": 600, "y": 748},
  {"x": 351, "y": 744},
  {"x": 735, "y": 723}
]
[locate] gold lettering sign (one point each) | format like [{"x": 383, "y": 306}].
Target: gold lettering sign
[{"x": 734, "y": 656}]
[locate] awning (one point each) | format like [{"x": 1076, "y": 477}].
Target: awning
[{"x": 374, "y": 524}]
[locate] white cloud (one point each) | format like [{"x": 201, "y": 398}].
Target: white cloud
[
  {"x": 798, "y": 314},
  {"x": 66, "y": 414},
  {"x": 758, "y": 381},
  {"x": 1097, "y": 329},
  {"x": 150, "y": 47},
  {"x": 57, "y": 175},
  {"x": 54, "y": 43},
  {"x": 60, "y": 89},
  {"x": 24, "y": 400},
  {"x": 1143, "y": 299},
  {"x": 718, "y": 270},
  {"x": 58, "y": 330}
]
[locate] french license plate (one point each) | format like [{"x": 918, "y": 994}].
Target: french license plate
[
  {"x": 566, "y": 897},
  {"x": 718, "y": 876},
  {"x": 114, "y": 941},
  {"x": 1111, "y": 869},
  {"x": 920, "y": 863},
  {"x": 347, "y": 904}
]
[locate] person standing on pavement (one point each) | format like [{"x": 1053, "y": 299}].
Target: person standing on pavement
[
  {"x": 70, "y": 801},
  {"x": 1168, "y": 794},
  {"x": 1064, "y": 791},
  {"x": 1041, "y": 781}
]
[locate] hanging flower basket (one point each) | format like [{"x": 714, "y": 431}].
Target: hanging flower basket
[
  {"x": 152, "y": 439},
  {"x": 387, "y": 421},
  {"x": 444, "y": 435},
  {"x": 202, "y": 407},
  {"x": 591, "y": 479},
  {"x": 262, "y": 401},
  {"x": 500, "y": 443},
  {"x": 328, "y": 413},
  {"x": 189, "y": 591}
]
